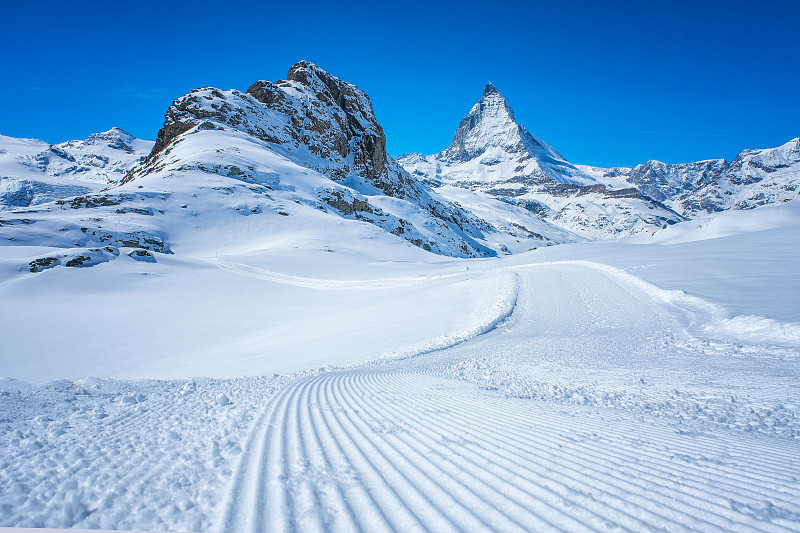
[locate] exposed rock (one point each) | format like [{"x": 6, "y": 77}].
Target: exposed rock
[{"x": 142, "y": 255}]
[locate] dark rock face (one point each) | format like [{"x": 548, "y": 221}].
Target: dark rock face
[
  {"x": 332, "y": 118},
  {"x": 339, "y": 118}
]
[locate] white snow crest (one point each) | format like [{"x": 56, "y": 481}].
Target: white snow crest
[
  {"x": 314, "y": 283},
  {"x": 718, "y": 324},
  {"x": 501, "y": 289},
  {"x": 759, "y": 329}
]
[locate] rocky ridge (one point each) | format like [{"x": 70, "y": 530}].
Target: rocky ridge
[{"x": 754, "y": 178}]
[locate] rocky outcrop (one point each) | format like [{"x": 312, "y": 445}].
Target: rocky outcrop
[
  {"x": 311, "y": 109},
  {"x": 322, "y": 123},
  {"x": 663, "y": 181}
]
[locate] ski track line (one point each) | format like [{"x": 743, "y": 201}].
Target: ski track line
[
  {"x": 329, "y": 284},
  {"x": 630, "y": 485},
  {"x": 609, "y": 489},
  {"x": 367, "y": 450}
]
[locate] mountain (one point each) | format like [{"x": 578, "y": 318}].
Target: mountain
[
  {"x": 296, "y": 163},
  {"x": 754, "y": 178},
  {"x": 495, "y": 157},
  {"x": 302, "y": 163},
  {"x": 34, "y": 172}
]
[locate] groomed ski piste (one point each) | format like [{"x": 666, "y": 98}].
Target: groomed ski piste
[{"x": 586, "y": 387}]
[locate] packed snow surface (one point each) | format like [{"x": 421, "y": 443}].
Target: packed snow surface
[{"x": 576, "y": 387}]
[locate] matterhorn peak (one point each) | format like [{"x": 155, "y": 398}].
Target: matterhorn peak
[{"x": 490, "y": 125}]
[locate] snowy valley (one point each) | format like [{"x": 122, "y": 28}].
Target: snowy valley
[{"x": 261, "y": 321}]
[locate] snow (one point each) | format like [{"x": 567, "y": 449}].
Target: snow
[
  {"x": 727, "y": 223},
  {"x": 493, "y": 155},
  {"x": 754, "y": 178},
  {"x": 582, "y": 386}
]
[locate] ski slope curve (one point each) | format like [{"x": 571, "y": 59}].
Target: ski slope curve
[{"x": 454, "y": 440}]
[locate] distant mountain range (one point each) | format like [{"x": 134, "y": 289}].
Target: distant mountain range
[
  {"x": 34, "y": 172},
  {"x": 304, "y": 159}
]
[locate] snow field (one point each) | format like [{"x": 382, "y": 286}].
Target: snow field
[
  {"x": 589, "y": 335},
  {"x": 147, "y": 455},
  {"x": 215, "y": 322},
  {"x": 401, "y": 446},
  {"x": 533, "y": 393}
]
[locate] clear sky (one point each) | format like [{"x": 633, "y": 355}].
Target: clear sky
[{"x": 604, "y": 82}]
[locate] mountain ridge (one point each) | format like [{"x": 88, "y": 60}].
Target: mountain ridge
[
  {"x": 312, "y": 140},
  {"x": 491, "y": 154}
]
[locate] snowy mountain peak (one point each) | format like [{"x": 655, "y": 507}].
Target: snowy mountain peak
[
  {"x": 755, "y": 163},
  {"x": 490, "y": 126},
  {"x": 490, "y": 123},
  {"x": 115, "y": 138},
  {"x": 491, "y": 154},
  {"x": 490, "y": 89}
]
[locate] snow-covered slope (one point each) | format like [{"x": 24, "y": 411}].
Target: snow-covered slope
[
  {"x": 514, "y": 391},
  {"x": 34, "y": 172},
  {"x": 492, "y": 154},
  {"x": 726, "y": 223}
]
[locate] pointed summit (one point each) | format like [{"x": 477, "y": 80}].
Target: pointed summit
[{"x": 490, "y": 125}]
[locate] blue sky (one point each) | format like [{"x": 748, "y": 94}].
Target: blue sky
[{"x": 606, "y": 83}]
